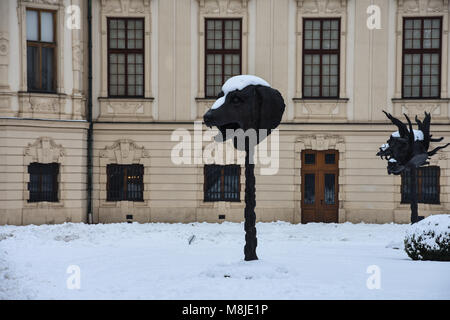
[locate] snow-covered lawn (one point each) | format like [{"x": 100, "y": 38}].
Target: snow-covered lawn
[{"x": 155, "y": 261}]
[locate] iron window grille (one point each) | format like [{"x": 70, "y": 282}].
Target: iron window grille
[
  {"x": 222, "y": 183},
  {"x": 428, "y": 187},
  {"x": 421, "y": 71},
  {"x": 41, "y": 50},
  {"x": 125, "y": 182},
  {"x": 321, "y": 55},
  {"x": 43, "y": 184},
  {"x": 126, "y": 57},
  {"x": 223, "y": 53}
]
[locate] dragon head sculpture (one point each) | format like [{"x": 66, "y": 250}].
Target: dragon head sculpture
[{"x": 408, "y": 148}]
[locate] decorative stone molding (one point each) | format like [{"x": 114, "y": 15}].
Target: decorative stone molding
[
  {"x": 126, "y": 9},
  {"x": 126, "y": 109},
  {"x": 322, "y": 6},
  {"x": 4, "y": 46},
  {"x": 4, "y": 67},
  {"x": 223, "y": 7},
  {"x": 44, "y": 150},
  {"x": 321, "y": 110},
  {"x": 4, "y": 50},
  {"x": 37, "y": 105},
  {"x": 124, "y": 151},
  {"x": 218, "y": 9},
  {"x": 422, "y": 8},
  {"x": 125, "y": 6},
  {"x": 438, "y": 108},
  {"x": 320, "y": 142}
]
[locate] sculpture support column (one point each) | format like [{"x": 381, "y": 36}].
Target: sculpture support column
[
  {"x": 413, "y": 195},
  {"x": 250, "y": 204}
]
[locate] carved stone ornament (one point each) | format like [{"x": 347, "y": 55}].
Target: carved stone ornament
[
  {"x": 422, "y": 6},
  {"x": 125, "y": 6},
  {"x": 222, "y": 7},
  {"x": 77, "y": 53},
  {"x": 321, "y": 142},
  {"x": 124, "y": 151},
  {"x": 322, "y": 6},
  {"x": 4, "y": 44},
  {"x": 44, "y": 150},
  {"x": 44, "y": 105}
]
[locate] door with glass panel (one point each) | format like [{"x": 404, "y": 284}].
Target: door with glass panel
[{"x": 320, "y": 174}]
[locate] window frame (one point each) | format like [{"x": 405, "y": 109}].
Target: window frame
[
  {"x": 222, "y": 51},
  {"x": 321, "y": 52},
  {"x": 125, "y": 51},
  {"x": 123, "y": 192},
  {"x": 420, "y": 176},
  {"x": 41, "y": 44},
  {"x": 41, "y": 196},
  {"x": 222, "y": 198},
  {"x": 421, "y": 51}
]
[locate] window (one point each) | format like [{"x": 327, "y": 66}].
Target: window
[
  {"x": 41, "y": 50},
  {"x": 427, "y": 185},
  {"x": 421, "y": 77},
  {"x": 223, "y": 53},
  {"x": 43, "y": 185},
  {"x": 125, "y": 57},
  {"x": 125, "y": 182},
  {"x": 321, "y": 44},
  {"x": 222, "y": 183}
]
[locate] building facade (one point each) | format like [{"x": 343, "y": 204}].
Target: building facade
[{"x": 157, "y": 66}]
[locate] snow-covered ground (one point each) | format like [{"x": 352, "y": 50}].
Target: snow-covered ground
[{"x": 156, "y": 261}]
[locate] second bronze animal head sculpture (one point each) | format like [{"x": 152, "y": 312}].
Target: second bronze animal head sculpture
[
  {"x": 408, "y": 148},
  {"x": 406, "y": 151}
]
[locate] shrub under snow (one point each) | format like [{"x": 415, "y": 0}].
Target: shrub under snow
[{"x": 429, "y": 239}]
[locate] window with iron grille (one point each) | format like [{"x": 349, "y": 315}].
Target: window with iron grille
[
  {"x": 223, "y": 53},
  {"x": 125, "y": 57},
  {"x": 43, "y": 185},
  {"x": 41, "y": 50},
  {"x": 125, "y": 182},
  {"x": 421, "y": 72},
  {"x": 222, "y": 183},
  {"x": 428, "y": 188},
  {"x": 321, "y": 50}
]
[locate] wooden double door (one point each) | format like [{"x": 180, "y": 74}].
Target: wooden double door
[{"x": 320, "y": 172}]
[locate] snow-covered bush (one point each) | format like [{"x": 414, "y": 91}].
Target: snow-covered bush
[{"x": 429, "y": 239}]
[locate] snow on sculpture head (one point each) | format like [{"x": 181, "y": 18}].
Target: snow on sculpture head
[
  {"x": 407, "y": 148},
  {"x": 246, "y": 102}
]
